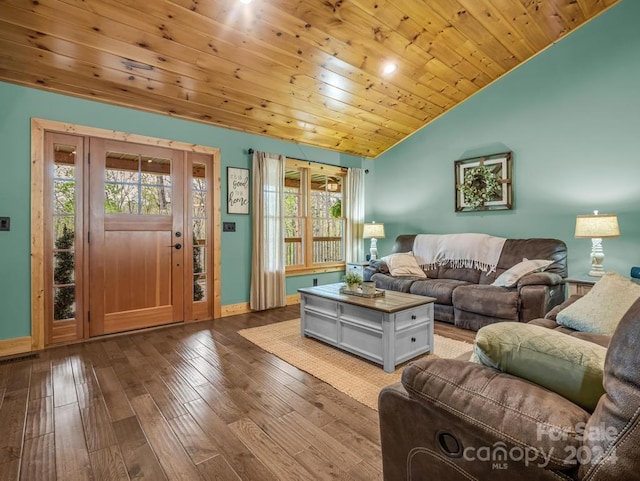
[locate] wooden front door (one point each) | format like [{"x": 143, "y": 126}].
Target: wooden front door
[{"x": 136, "y": 236}]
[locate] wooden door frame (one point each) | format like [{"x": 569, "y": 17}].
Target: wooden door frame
[{"x": 38, "y": 128}]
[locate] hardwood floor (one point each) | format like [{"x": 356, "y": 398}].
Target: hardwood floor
[{"x": 188, "y": 402}]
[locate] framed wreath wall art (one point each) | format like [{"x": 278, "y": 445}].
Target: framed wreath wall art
[{"x": 484, "y": 183}]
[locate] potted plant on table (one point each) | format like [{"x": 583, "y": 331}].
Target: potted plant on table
[{"x": 353, "y": 281}]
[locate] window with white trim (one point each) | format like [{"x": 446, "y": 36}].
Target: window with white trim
[{"x": 313, "y": 216}]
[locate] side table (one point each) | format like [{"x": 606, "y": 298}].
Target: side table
[
  {"x": 580, "y": 284},
  {"x": 356, "y": 268},
  {"x": 583, "y": 283}
]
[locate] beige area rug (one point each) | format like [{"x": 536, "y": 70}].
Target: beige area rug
[{"x": 356, "y": 377}]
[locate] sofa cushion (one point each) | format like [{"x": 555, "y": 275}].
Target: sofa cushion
[
  {"x": 457, "y": 273},
  {"x": 399, "y": 284},
  {"x": 490, "y": 301},
  {"x": 441, "y": 289},
  {"x": 563, "y": 364},
  {"x": 599, "y": 311},
  {"x": 515, "y": 249},
  {"x": 511, "y": 276},
  {"x": 403, "y": 265}
]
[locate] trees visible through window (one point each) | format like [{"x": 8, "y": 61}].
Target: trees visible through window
[
  {"x": 137, "y": 184},
  {"x": 313, "y": 218},
  {"x": 64, "y": 218}
]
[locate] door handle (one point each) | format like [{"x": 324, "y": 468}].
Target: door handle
[{"x": 176, "y": 246}]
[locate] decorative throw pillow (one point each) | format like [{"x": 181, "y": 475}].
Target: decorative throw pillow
[
  {"x": 599, "y": 311},
  {"x": 561, "y": 363},
  {"x": 403, "y": 264},
  {"x": 510, "y": 277}
]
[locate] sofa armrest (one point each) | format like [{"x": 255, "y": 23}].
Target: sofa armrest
[
  {"x": 541, "y": 278},
  {"x": 553, "y": 313},
  {"x": 374, "y": 267},
  {"x": 379, "y": 266},
  {"x": 482, "y": 399},
  {"x": 544, "y": 322},
  {"x": 548, "y": 323},
  {"x": 369, "y": 272},
  {"x": 538, "y": 299}
]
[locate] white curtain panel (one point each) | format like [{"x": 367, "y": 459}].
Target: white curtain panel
[
  {"x": 354, "y": 215},
  {"x": 268, "y": 277}
]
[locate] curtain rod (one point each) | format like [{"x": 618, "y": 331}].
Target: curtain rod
[{"x": 251, "y": 151}]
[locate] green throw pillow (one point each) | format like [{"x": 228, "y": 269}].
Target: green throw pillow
[
  {"x": 600, "y": 310},
  {"x": 561, "y": 363}
]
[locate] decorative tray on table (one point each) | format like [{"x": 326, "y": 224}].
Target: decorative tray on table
[{"x": 359, "y": 293}]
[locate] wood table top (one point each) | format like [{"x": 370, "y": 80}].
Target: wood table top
[{"x": 391, "y": 302}]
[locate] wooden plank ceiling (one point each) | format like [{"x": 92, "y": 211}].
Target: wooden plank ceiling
[{"x": 310, "y": 71}]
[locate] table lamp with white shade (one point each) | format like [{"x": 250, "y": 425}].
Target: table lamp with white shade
[
  {"x": 374, "y": 232},
  {"x": 595, "y": 227}
]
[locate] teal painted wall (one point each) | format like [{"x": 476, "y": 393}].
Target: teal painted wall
[
  {"x": 20, "y": 104},
  {"x": 571, "y": 116}
]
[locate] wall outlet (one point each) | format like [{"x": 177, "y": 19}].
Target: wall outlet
[
  {"x": 5, "y": 223},
  {"x": 315, "y": 282},
  {"x": 228, "y": 227}
]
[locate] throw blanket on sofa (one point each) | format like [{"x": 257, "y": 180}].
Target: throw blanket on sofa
[{"x": 477, "y": 251}]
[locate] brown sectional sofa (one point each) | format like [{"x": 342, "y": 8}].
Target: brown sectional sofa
[
  {"x": 465, "y": 296},
  {"x": 456, "y": 420}
]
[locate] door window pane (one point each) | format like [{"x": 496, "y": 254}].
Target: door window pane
[
  {"x": 137, "y": 184},
  {"x": 64, "y": 303},
  {"x": 199, "y": 287},
  {"x": 199, "y": 225},
  {"x": 199, "y": 231},
  {"x": 199, "y": 202},
  {"x": 63, "y": 227},
  {"x": 155, "y": 200},
  {"x": 199, "y": 263},
  {"x": 64, "y": 217}
]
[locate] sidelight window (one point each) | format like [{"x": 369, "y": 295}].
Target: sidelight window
[{"x": 64, "y": 221}]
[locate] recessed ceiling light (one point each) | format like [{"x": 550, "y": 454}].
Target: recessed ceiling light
[{"x": 389, "y": 67}]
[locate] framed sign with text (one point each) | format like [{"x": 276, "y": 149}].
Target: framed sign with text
[{"x": 237, "y": 190}]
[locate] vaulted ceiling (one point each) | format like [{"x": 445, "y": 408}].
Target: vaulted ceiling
[{"x": 310, "y": 71}]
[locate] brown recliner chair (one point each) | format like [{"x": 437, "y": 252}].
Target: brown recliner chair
[{"x": 454, "y": 420}]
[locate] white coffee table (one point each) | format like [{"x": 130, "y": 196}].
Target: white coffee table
[{"x": 388, "y": 330}]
